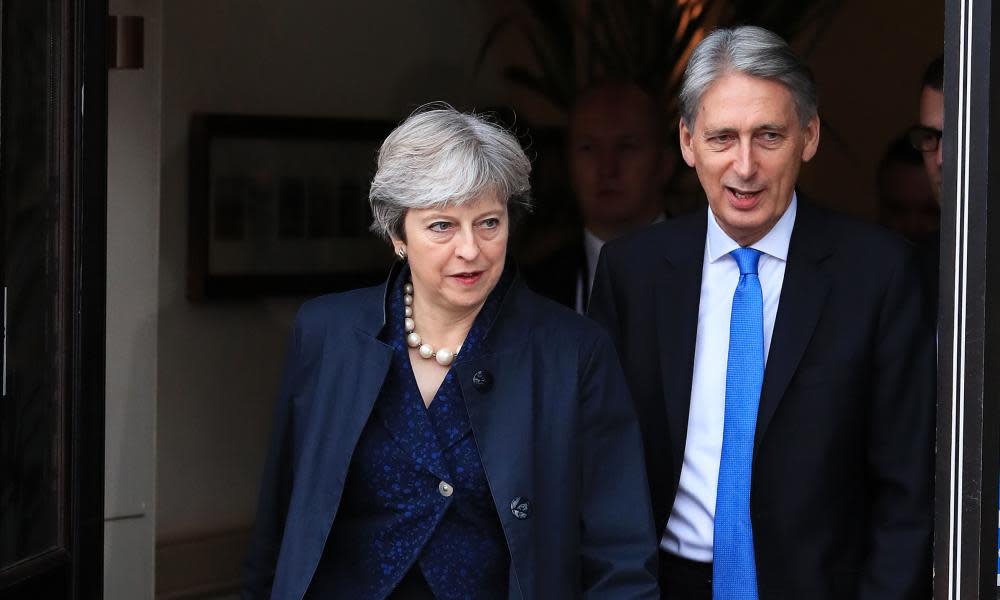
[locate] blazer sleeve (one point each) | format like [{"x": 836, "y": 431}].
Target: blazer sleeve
[
  {"x": 618, "y": 543},
  {"x": 258, "y": 567},
  {"x": 901, "y": 444}
]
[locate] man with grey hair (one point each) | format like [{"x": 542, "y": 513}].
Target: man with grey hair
[{"x": 780, "y": 358}]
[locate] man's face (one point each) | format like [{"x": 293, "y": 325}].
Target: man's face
[
  {"x": 747, "y": 145},
  {"x": 932, "y": 116},
  {"x": 617, "y": 159}
]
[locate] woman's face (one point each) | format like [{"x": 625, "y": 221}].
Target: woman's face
[{"x": 457, "y": 253}]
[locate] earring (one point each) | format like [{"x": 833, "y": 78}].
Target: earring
[{"x": 401, "y": 252}]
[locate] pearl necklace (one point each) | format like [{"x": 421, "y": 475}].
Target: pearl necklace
[{"x": 443, "y": 356}]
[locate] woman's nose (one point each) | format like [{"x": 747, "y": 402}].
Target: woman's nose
[{"x": 467, "y": 246}]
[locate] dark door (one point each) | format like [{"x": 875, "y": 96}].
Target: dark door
[
  {"x": 52, "y": 254},
  {"x": 968, "y": 445}
]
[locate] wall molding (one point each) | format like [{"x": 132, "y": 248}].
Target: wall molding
[{"x": 200, "y": 567}]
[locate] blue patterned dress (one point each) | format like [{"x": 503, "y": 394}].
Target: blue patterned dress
[{"x": 416, "y": 502}]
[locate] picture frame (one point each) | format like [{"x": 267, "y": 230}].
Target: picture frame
[{"x": 278, "y": 206}]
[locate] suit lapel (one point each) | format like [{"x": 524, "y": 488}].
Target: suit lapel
[
  {"x": 501, "y": 413},
  {"x": 502, "y": 426},
  {"x": 346, "y": 389},
  {"x": 357, "y": 375},
  {"x": 402, "y": 412},
  {"x": 803, "y": 294},
  {"x": 677, "y": 296}
]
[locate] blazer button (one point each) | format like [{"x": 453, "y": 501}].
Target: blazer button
[
  {"x": 482, "y": 380},
  {"x": 445, "y": 489},
  {"x": 520, "y": 507}
]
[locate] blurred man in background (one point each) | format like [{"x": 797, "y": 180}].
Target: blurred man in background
[{"x": 620, "y": 163}]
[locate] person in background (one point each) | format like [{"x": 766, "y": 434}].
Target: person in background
[
  {"x": 620, "y": 164},
  {"x": 907, "y": 202},
  {"x": 450, "y": 434},
  {"x": 926, "y": 139},
  {"x": 779, "y": 356},
  {"x": 926, "y": 136},
  {"x": 909, "y": 206}
]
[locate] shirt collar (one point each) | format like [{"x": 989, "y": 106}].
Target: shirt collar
[
  {"x": 592, "y": 246},
  {"x": 774, "y": 243}
]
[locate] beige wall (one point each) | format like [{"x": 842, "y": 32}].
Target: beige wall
[
  {"x": 868, "y": 68},
  {"x": 132, "y": 313}
]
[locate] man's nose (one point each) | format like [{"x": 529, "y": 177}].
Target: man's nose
[
  {"x": 745, "y": 163},
  {"x": 939, "y": 154},
  {"x": 608, "y": 163}
]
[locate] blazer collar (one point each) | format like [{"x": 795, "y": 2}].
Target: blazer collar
[
  {"x": 354, "y": 378},
  {"x": 804, "y": 291},
  {"x": 372, "y": 316},
  {"x": 774, "y": 243},
  {"x": 498, "y": 394},
  {"x": 677, "y": 293}
]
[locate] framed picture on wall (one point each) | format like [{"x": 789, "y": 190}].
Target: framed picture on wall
[{"x": 278, "y": 205}]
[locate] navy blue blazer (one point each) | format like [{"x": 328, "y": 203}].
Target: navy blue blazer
[
  {"x": 551, "y": 416},
  {"x": 841, "y": 496}
]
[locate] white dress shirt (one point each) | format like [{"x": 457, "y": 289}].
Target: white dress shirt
[
  {"x": 690, "y": 528},
  {"x": 592, "y": 250}
]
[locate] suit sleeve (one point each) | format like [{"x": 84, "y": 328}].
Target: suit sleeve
[
  {"x": 618, "y": 543},
  {"x": 901, "y": 445},
  {"x": 258, "y": 567}
]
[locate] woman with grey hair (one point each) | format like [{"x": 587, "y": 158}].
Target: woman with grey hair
[{"x": 450, "y": 434}]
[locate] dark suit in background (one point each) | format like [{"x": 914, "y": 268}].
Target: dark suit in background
[
  {"x": 565, "y": 274},
  {"x": 841, "y": 498},
  {"x": 557, "y": 276}
]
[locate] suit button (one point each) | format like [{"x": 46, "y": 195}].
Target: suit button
[
  {"x": 445, "y": 489},
  {"x": 482, "y": 380},
  {"x": 520, "y": 507}
]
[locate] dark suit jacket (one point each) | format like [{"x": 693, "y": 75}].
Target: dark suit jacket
[
  {"x": 558, "y": 274},
  {"x": 841, "y": 498},
  {"x": 550, "y": 414}
]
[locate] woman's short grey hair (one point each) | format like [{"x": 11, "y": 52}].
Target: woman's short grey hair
[
  {"x": 752, "y": 51},
  {"x": 440, "y": 157}
]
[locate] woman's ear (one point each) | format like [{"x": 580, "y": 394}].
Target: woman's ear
[{"x": 399, "y": 247}]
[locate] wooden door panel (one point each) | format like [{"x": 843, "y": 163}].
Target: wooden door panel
[{"x": 52, "y": 255}]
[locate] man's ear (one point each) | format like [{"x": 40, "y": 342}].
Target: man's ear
[
  {"x": 686, "y": 139},
  {"x": 811, "y": 135}
]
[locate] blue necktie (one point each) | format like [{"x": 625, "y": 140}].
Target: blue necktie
[{"x": 734, "y": 574}]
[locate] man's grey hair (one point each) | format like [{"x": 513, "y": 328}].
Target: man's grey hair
[
  {"x": 442, "y": 157},
  {"x": 752, "y": 51}
]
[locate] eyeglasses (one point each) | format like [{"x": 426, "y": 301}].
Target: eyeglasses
[{"x": 924, "y": 139}]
